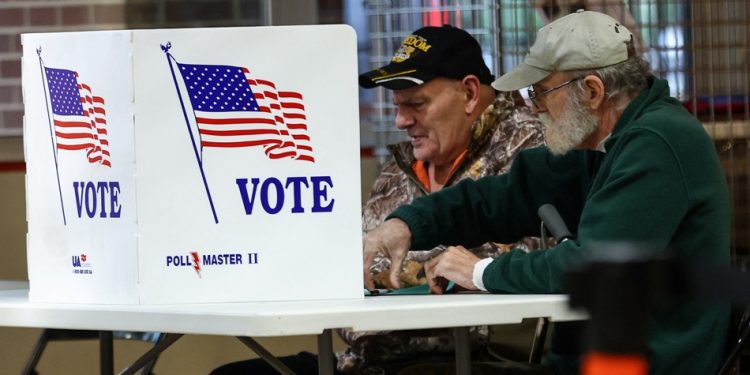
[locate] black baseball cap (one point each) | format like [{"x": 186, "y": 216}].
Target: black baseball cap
[{"x": 428, "y": 53}]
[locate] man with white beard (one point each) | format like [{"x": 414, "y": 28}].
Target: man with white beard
[{"x": 624, "y": 162}]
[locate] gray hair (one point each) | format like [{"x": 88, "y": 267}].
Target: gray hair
[{"x": 621, "y": 81}]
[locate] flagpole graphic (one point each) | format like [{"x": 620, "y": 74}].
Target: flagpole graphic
[
  {"x": 198, "y": 157},
  {"x": 232, "y": 109},
  {"x": 51, "y": 133}
]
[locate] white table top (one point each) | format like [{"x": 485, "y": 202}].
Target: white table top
[{"x": 284, "y": 318}]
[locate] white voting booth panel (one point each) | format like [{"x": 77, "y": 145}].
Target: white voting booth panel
[{"x": 192, "y": 165}]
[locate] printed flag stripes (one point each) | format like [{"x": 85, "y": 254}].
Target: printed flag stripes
[
  {"x": 294, "y": 115},
  {"x": 78, "y": 115},
  {"x": 234, "y": 110}
]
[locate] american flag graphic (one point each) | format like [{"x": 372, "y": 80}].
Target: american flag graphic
[
  {"x": 78, "y": 115},
  {"x": 233, "y": 109}
]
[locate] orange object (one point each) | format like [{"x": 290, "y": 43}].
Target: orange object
[
  {"x": 420, "y": 169},
  {"x": 613, "y": 364}
]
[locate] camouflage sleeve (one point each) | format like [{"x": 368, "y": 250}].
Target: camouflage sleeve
[
  {"x": 386, "y": 195},
  {"x": 524, "y": 130}
]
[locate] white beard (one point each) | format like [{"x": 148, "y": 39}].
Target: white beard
[{"x": 571, "y": 128}]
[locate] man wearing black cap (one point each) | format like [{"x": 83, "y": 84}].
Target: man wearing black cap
[{"x": 459, "y": 128}]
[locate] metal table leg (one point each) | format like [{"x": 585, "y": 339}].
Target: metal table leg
[
  {"x": 149, "y": 356},
  {"x": 266, "y": 355},
  {"x": 463, "y": 352},
  {"x": 325, "y": 353},
  {"x": 41, "y": 343},
  {"x": 540, "y": 335},
  {"x": 106, "y": 353}
]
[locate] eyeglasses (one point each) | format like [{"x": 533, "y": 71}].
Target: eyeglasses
[{"x": 535, "y": 97}]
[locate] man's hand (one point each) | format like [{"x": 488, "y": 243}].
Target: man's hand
[
  {"x": 391, "y": 240},
  {"x": 455, "y": 264}
]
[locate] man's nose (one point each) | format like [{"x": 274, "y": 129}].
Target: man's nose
[{"x": 403, "y": 120}]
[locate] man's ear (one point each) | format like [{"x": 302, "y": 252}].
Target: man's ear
[
  {"x": 472, "y": 90},
  {"x": 594, "y": 92}
]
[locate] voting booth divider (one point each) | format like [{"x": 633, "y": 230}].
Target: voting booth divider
[{"x": 192, "y": 165}]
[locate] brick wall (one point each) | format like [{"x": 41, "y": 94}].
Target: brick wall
[{"x": 18, "y": 16}]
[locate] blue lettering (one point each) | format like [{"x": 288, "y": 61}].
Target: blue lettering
[
  {"x": 90, "y": 197},
  {"x": 221, "y": 259},
  {"x": 101, "y": 186},
  {"x": 79, "y": 196},
  {"x": 94, "y": 197},
  {"x": 273, "y": 194},
  {"x": 319, "y": 192},
  {"x": 296, "y": 182},
  {"x": 248, "y": 203},
  {"x": 279, "y": 195},
  {"x": 114, "y": 205},
  {"x": 76, "y": 261},
  {"x": 179, "y": 261}
]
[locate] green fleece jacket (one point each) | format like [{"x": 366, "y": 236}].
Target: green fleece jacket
[{"x": 658, "y": 183}]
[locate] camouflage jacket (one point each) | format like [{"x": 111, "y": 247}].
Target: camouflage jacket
[{"x": 505, "y": 128}]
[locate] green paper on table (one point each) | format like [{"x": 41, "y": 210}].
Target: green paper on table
[{"x": 411, "y": 291}]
